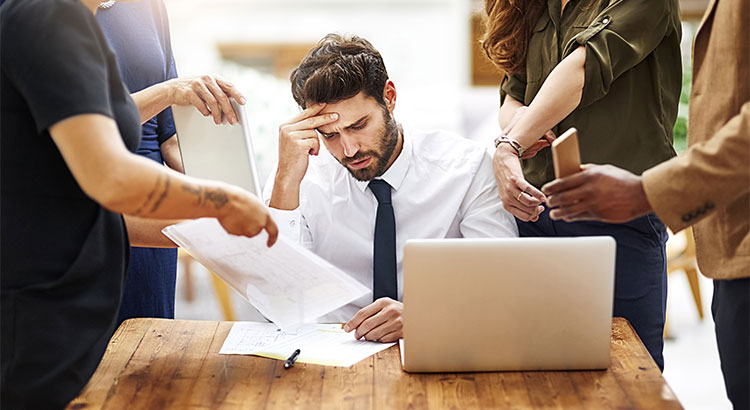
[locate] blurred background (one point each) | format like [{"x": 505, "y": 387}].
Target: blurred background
[{"x": 432, "y": 53}]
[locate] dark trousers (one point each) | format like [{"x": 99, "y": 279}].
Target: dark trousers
[
  {"x": 731, "y": 311},
  {"x": 640, "y": 270},
  {"x": 149, "y": 284}
]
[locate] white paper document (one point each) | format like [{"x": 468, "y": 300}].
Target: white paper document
[
  {"x": 287, "y": 283},
  {"x": 250, "y": 337},
  {"x": 328, "y": 347}
]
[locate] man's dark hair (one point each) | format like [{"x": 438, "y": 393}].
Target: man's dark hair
[{"x": 339, "y": 67}]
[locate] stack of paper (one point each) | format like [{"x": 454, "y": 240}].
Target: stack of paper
[
  {"x": 287, "y": 283},
  {"x": 322, "y": 344}
]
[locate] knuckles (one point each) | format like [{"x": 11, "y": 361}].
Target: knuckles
[
  {"x": 391, "y": 312},
  {"x": 284, "y": 130}
]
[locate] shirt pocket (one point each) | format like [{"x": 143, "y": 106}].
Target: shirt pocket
[
  {"x": 540, "y": 50},
  {"x": 582, "y": 33}
]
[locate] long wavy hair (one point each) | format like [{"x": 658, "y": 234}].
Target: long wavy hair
[{"x": 509, "y": 27}]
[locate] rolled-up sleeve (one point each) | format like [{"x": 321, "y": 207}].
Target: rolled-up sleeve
[
  {"x": 710, "y": 176},
  {"x": 618, "y": 39},
  {"x": 514, "y": 86}
]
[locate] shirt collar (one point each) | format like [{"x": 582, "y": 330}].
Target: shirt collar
[{"x": 396, "y": 173}]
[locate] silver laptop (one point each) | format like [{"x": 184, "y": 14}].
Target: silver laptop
[
  {"x": 221, "y": 152},
  {"x": 507, "y": 304}
]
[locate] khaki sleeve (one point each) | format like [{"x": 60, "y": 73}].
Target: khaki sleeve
[
  {"x": 708, "y": 177},
  {"x": 618, "y": 39},
  {"x": 515, "y": 86}
]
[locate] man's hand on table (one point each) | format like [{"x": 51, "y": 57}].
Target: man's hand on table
[{"x": 379, "y": 321}]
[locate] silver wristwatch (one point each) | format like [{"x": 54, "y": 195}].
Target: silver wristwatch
[{"x": 513, "y": 143}]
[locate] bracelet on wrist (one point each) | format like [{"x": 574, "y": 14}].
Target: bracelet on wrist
[{"x": 502, "y": 138}]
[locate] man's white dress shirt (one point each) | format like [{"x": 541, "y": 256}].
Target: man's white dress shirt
[{"x": 443, "y": 187}]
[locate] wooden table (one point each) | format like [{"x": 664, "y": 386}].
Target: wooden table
[{"x": 157, "y": 363}]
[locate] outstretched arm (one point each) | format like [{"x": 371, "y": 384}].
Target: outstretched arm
[{"x": 132, "y": 185}]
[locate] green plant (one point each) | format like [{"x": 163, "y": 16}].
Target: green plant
[{"x": 681, "y": 125}]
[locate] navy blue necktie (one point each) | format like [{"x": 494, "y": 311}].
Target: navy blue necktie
[{"x": 384, "y": 247}]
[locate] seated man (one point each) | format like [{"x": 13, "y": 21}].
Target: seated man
[{"x": 376, "y": 184}]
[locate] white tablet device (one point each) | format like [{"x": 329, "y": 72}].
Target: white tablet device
[{"x": 221, "y": 152}]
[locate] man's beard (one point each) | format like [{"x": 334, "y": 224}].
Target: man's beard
[{"x": 380, "y": 157}]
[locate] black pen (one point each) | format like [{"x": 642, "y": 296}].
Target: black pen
[{"x": 290, "y": 361}]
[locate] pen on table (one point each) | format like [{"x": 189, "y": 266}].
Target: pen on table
[{"x": 290, "y": 361}]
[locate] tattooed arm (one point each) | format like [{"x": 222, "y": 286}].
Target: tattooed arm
[{"x": 132, "y": 185}]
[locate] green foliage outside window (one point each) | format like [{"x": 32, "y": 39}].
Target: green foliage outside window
[{"x": 681, "y": 125}]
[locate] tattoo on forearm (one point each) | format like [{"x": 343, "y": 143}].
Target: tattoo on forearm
[
  {"x": 193, "y": 190},
  {"x": 217, "y": 197},
  {"x": 163, "y": 195},
  {"x": 148, "y": 197}
]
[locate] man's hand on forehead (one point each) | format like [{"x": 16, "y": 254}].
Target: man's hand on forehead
[{"x": 298, "y": 139}]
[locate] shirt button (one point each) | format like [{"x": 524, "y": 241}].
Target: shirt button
[{"x": 292, "y": 223}]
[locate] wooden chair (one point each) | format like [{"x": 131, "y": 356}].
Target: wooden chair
[{"x": 682, "y": 258}]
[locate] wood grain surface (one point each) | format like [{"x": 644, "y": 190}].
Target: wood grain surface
[{"x": 175, "y": 364}]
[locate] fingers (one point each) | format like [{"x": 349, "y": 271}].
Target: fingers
[
  {"x": 311, "y": 123},
  {"x": 571, "y": 209},
  {"x": 230, "y": 90},
  {"x": 222, "y": 100},
  {"x": 367, "y": 329},
  {"x": 387, "y": 327},
  {"x": 307, "y": 112},
  {"x": 549, "y": 136},
  {"x": 534, "y": 149},
  {"x": 210, "y": 95},
  {"x": 527, "y": 200},
  {"x": 585, "y": 216},
  {"x": 376, "y": 320},
  {"x": 527, "y": 188},
  {"x": 567, "y": 183},
  {"x": 201, "y": 89},
  {"x": 273, "y": 231},
  {"x": 569, "y": 197},
  {"x": 525, "y": 214},
  {"x": 198, "y": 103},
  {"x": 313, "y": 146},
  {"x": 363, "y": 314},
  {"x": 392, "y": 337},
  {"x": 301, "y": 135},
  {"x": 387, "y": 320},
  {"x": 307, "y": 139}
]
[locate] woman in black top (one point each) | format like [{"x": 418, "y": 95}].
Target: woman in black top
[{"x": 67, "y": 134}]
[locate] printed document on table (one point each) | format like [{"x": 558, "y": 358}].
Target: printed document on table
[
  {"x": 250, "y": 337},
  {"x": 287, "y": 283},
  {"x": 328, "y": 347}
]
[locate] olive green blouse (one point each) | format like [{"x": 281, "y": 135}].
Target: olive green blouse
[{"x": 632, "y": 84}]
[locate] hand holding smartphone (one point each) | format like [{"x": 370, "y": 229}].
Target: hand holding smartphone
[{"x": 566, "y": 157}]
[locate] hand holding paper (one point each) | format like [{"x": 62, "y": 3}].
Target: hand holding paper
[{"x": 287, "y": 283}]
